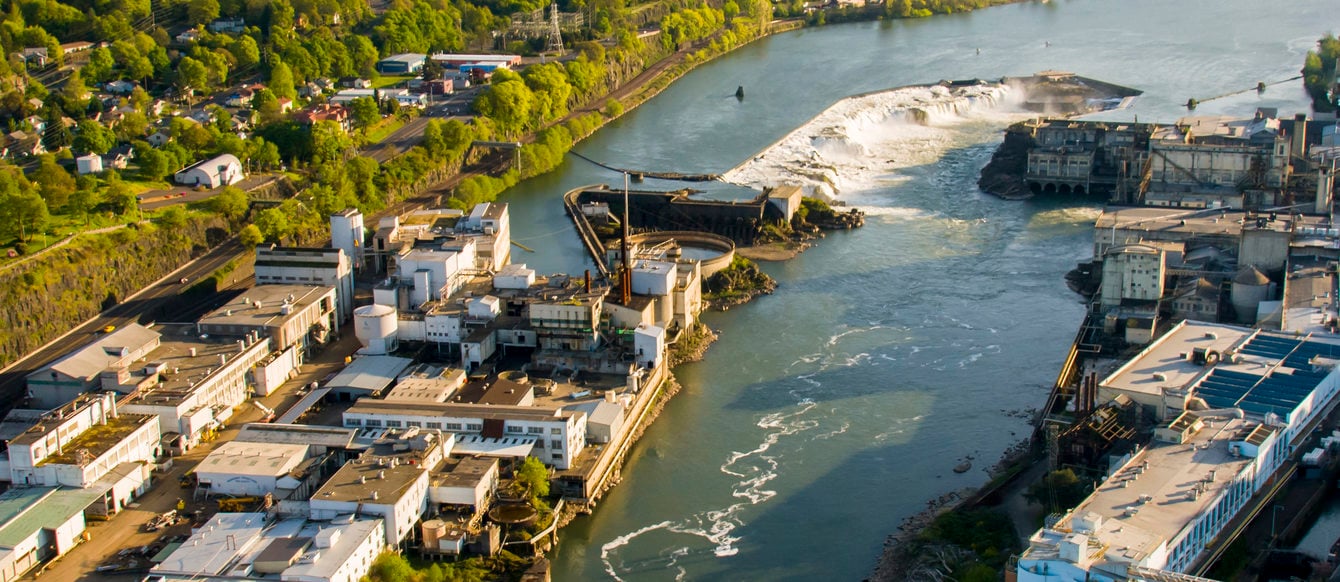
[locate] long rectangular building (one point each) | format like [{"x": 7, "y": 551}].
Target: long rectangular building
[
  {"x": 555, "y": 436},
  {"x": 1234, "y": 404}
]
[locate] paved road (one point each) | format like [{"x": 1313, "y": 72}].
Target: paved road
[
  {"x": 409, "y": 135},
  {"x": 164, "y": 197}
]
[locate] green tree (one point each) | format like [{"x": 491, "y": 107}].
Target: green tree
[
  {"x": 192, "y": 75},
  {"x": 173, "y": 218},
  {"x": 119, "y": 195},
  {"x": 264, "y": 155},
  {"x": 82, "y": 202},
  {"x": 245, "y": 50},
  {"x": 250, "y": 236},
  {"x": 533, "y": 477},
  {"x": 329, "y": 142},
  {"x": 75, "y": 92},
  {"x": 1058, "y": 491},
  {"x": 391, "y": 567},
  {"x": 21, "y": 206},
  {"x": 509, "y": 104},
  {"x": 231, "y": 203},
  {"x": 54, "y": 183},
  {"x": 281, "y": 81},
  {"x": 93, "y": 138},
  {"x": 202, "y": 11},
  {"x": 364, "y": 112},
  {"x": 154, "y": 165},
  {"x": 132, "y": 127},
  {"x": 613, "y": 108},
  {"x": 274, "y": 225},
  {"x": 100, "y": 65}
]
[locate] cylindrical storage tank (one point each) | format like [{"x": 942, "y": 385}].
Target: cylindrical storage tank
[
  {"x": 376, "y": 326},
  {"x": 1250, "y": 288},
  {"x": 433, "y": 530},
  {"x": 515, "y": 376}
]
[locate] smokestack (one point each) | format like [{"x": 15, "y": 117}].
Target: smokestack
[
  {"x": 626, "y": 280},
  {"x": 588, "y": 280},
  {"x": 1300, "y": 136}
]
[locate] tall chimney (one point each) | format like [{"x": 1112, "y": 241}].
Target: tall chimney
[
  {"x": 588, "y": 280},
  {"x": 625, "y": 282},
  {"x": 1299, "y": 136}
]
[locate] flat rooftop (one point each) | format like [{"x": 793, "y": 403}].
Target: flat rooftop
[
  {"x": 26, "y": 510},
  {"x": 99, "y": 439},
  {"x": 466, "y": 472},
  {"x": 1203, "y": 221},
  {"x": 360, "y": 478},
  {"x": 484, "y": 411},
  {"x": 265, "y": 306},
  {"x": 1309, "y": 297},
  {"x": 1261, "y": 372},
  {"x": 1168, "y": 486},
  {"x": 253, "y": 459},
  {"x": 214, "y": 548},
  {"x": 182, "y": 370},
  {"x": 297, "y": 434}
]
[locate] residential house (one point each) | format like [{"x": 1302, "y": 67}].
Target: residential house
[
  {"x": 38, "y": 124},
  {"x": 21, "y": 144},
  {"x": 355, "y": 83},
  {"x": 35, "y": 56},
  {"x": 234, "y": 25},
  {"x": 325, "y": 112},
  {"x": 159, "y": 138},
  {"x": 119, "y": 157},
  {"x": 121, "y": 87},
  {"x": 188, "y": 36},
  {"x": 70, "y": 48},
  {"x": 285, "y": 104}
]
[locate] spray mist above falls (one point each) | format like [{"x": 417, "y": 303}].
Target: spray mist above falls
[
  {"x": 861, "y": 142},
  {"x": 873, "y": 140}
]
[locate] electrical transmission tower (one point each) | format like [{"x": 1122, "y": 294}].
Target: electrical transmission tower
[{"x": 555, "y": 41}]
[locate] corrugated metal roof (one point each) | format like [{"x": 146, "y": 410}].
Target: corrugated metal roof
[{"x": 93, "y": 358}]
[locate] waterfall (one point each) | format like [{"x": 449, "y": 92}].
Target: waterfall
[{"x": 863, "y": 141}]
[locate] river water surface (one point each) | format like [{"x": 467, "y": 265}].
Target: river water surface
[{"x": 833, "y": 409}]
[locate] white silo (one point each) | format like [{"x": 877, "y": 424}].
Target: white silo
[
  {"x": 1250, "y": 288},
  {"x": 376, "y": 327}
]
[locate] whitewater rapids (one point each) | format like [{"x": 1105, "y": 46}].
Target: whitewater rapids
[{"x": 862, "y": 142}]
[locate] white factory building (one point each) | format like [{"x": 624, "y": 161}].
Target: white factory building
[
  {"x": 390, "y": 480},
  {"x": 468, "y": 482},
  {"x": 249, "y": 469},
  {"x": 508, "y": 431},
  {"x": 247, "y": 546},
  {"x": 488, "y": 225},
  {"x": 38, "y": 524},
  {"x": 80, "y": 444},
  {"x": 1234, "y": 404},
  {"x": 200, "y": 381},
  {"x": 310, "y": 266},
  {"x": 298, "y": 316}
]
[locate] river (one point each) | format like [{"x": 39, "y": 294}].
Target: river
[{"x": 833, "y": 409}]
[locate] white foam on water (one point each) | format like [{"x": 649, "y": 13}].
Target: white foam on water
[
  {"x": 868, "y": 141},
  {"x": 753, "y": 469},
  {"x": 622, "y": 541}
]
